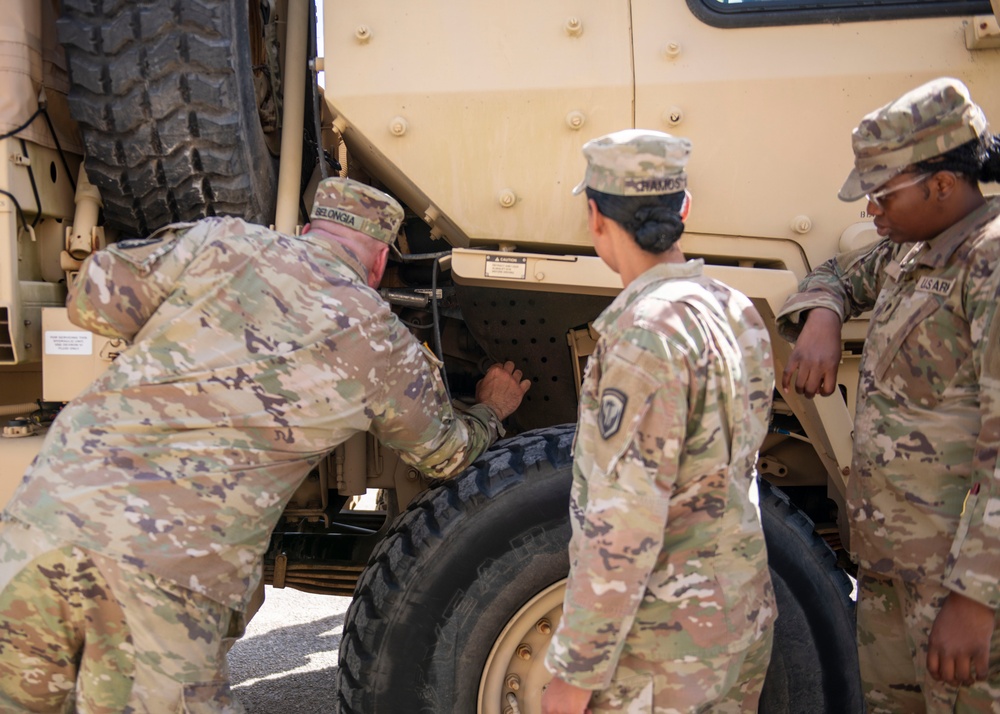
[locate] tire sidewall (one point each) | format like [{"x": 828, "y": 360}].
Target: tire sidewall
[{"x": 486, "y": 570}]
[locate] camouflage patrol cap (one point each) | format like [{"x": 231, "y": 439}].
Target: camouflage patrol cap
[
  {"x": 359, "y": 206},
  {"x": 636, "y": 162},
  {"x": 925, "y": 122}
]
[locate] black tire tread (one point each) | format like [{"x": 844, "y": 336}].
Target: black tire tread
[
  {"x": 156, "y": 92},
  {"x": 807, "y": 574},
  {"x": 805, "y": 529},
  {"x": 397, "y": 559}
]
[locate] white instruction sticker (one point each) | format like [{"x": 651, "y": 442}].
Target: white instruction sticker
[
  {"x": 59, "y": 342},
  {"x": 506, "y": 266}
]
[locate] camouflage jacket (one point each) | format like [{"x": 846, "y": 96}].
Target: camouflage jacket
[
  {"x": 924, "y": 492},
  {"x": 253, "y": 355},
  {"x": 667, "y": 555}
]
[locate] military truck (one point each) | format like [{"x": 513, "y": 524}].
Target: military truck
[{"x": 120, "y": 117}]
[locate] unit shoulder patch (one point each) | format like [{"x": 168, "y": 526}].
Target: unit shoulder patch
[{"x": 613, "y": 403}]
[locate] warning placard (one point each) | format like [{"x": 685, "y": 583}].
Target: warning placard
[
  {"x": 506, "y": 266},
  {"x": 59, "y": 342}
]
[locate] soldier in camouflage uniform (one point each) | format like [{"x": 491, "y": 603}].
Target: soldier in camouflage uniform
[
  {"x": 136, "y": 537},
  {"x": 668, "y": 606},
  {"x": 924, "y": 489}
]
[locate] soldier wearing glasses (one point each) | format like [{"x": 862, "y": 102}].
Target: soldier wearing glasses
[{"x": 924, "y": 489}]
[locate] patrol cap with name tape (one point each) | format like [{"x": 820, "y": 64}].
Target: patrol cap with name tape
[
  {"x": 928, "y": 121},
  {"x": 636, "y": 162},
  {"x": 359, "y": 206}
]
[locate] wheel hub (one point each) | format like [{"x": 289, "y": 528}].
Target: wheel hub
[{"x": 515, "y": 676}]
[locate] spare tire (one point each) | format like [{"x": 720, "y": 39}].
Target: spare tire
[{"x": 164, "y": 96}]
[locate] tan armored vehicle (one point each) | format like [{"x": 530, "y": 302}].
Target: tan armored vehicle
[{"x": 119, "y": 117}]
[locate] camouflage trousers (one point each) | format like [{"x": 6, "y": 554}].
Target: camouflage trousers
[
  {"x": 894, "y": 625},
  {"x": 88, "y": 634},
  {"x": 726, "y": 684}
]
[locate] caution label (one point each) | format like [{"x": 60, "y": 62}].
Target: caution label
[{"x": 506, "y": 266}]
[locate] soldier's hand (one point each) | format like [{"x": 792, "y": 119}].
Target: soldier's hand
[
  {"x": 561, "y": 697},
  {"x": 816, "y": 357},
  {"x": 958, "y": 651},
  {"x": 502, "y": 389}
]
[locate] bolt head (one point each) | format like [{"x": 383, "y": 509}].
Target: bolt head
[
  {"x": 507, "y": 198},
  {"x": 575, "y": 120}
]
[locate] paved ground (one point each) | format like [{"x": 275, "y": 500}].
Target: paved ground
[{"x": 287, "y": 661}]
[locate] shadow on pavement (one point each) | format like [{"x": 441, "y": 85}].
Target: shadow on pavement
[{"x": 282, "y": 668}]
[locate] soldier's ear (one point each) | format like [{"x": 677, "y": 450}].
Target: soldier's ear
[
  {"x": 944, "y": 182},
  {"x": 595, "y": 219},
  {"x": 686, "y": 206},
  {"x": 377, "y": 269}
]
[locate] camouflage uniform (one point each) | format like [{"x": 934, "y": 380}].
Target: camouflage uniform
[
  {"x": 924, "y": 492},
  {"x": 669, "y": 604},
  {"x": 253, "y": 355}
]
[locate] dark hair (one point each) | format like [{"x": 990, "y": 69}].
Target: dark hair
[
  {"x": 976, "y": 160},
  {"x": 653, "y": 221}
]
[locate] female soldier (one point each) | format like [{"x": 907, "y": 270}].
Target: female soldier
[
  {"x": 924, "y": 489},
  {"x": 669, "y": 601}
]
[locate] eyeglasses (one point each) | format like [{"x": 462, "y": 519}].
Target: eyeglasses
[{"x": 877, "y": 197}]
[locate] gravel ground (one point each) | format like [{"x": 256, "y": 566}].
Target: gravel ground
[{"x": 287, "y": 661}]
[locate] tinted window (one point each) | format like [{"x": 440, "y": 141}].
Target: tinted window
[{"x": 743, "y": 13}]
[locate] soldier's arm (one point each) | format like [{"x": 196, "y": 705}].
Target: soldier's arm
[
  {"x": 848, "y": 285},
  {"x": 842, "y": 287},
  {"x": 959, "y": 643},
  {"x": 757, "y": 355},
  {"x": 120, "y": 287},
  {"x": 636, "y": 464},
  {"x": 974, "y": 561},
  {"x": 415, "y": 417}
]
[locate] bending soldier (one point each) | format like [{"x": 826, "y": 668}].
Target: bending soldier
[{"x": 136, "y": 537}]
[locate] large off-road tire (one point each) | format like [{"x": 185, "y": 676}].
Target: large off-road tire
[
  {"x": 164, "y": 96},
  {"x": 466, "y": 588},
  {"x": 814, "y": 664}
]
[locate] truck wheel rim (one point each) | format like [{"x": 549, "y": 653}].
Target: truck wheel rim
[{"x": 517, "y": 657}]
